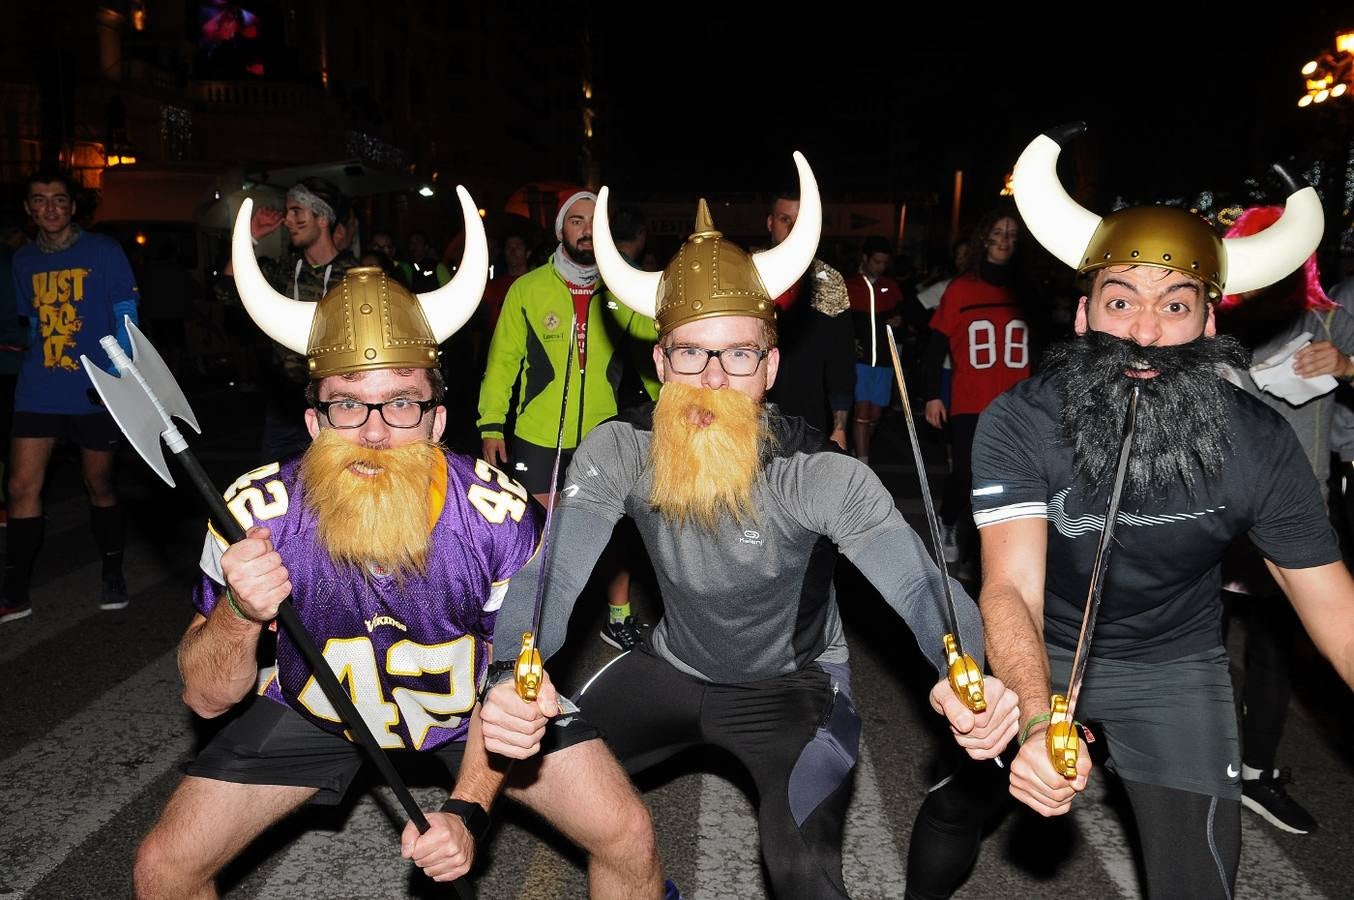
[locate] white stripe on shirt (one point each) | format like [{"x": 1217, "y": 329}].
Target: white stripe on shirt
[{"x": 1034, "y": 510}]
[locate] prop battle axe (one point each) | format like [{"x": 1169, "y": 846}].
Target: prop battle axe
[{"x": 142, "y": 397}]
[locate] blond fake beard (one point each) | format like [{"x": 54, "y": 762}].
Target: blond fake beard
[
  {"x": 705, "y": 455},
  {"x": 379, "y": 518}
]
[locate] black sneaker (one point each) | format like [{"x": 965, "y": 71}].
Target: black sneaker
[
  {"x": 625, "y": 635},
  {"x": 114, "y": 592},
  {"x": 1267, "y": 797},
  {"x": 9, "y": 611}
]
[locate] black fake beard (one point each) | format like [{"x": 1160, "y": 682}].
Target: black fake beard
[{"x": 1181, "y": 427}]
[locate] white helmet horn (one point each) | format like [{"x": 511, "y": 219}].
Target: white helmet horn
[
  {"x": 781, "y": 266},
  {"x": 635, "y": 288},
  {"x": 283, "y": 319},
  {"x": 451, "y": 306},
  {"x": 1261, "y": 259},
  {"x": 1060, "y": 224}
]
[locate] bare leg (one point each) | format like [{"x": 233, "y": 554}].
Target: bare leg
[
  {"x": 97, "y": 468},
  {"x": 862, "y": 428},
  {"x": 204, "y": 825},
  {"x": 28, "y": 458},
  {"x": 583, "y": 792},
  {"x": 618, "y": 590}
]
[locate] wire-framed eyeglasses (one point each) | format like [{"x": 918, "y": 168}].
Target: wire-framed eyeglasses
[
  {"x": 735, "y": 360},
  {"x": 402, "y": 412}
]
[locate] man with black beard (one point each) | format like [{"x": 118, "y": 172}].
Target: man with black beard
[
  {"x": 742, "y": 511},
  {"x": 1207, "y": 463},
  {"x": 532, "y": 347},
  {"x": 396, "y": 554}
]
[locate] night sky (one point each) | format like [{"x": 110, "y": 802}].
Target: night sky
[{"x": 892, "y": 104}]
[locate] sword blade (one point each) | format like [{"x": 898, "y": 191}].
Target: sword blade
[
  {"x": 529, "y": 672},
  {"x": 932, "y": 523},
  {"x": 1101, "y": 564},
  {"x": 966, "y": 679}
]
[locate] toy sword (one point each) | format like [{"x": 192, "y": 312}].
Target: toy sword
[
  {"x": 530, "y": 671},
  {"x": 1061, "y": 737},
  {"x": 966, "y": 679}
]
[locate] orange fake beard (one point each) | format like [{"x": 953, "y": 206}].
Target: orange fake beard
[
  {"x": 705, "y": 455},
  {"x": 378, "y": 515}
]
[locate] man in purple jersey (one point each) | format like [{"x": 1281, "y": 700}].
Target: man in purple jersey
[{"x": 397, "y": 554}]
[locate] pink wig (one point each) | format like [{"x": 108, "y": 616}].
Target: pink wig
[{"x": 1309, "y": 293}]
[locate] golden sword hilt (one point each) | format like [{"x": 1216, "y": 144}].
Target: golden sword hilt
[
  {"x": 966, "y": 679},
  {"x": 530, "y": 671},
  {"x": 1061, "y": 738}
]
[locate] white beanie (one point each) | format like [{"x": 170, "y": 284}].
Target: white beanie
[{"x": 564, "y": 210}]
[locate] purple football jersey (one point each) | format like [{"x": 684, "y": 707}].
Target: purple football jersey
[{"x": 413, "y": 653}]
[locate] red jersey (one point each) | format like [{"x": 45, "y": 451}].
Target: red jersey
[
  {"x": 989, "y": 341},
  {"x": 494, "y": 293}
]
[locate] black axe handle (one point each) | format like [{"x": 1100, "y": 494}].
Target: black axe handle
[{"x": 231, "y": 530}]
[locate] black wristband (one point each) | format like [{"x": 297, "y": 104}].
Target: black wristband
[
  {"x": 492, "y": 678},
  {"x": 474, "y": 816}
]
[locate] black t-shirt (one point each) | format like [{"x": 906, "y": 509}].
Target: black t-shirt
[{"x": 1161, "y": 599}]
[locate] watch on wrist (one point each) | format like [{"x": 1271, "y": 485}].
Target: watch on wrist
[{"x": 472, "y": 814}]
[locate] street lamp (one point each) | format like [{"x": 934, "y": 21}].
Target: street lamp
[{"x": 1331, "y": 74}]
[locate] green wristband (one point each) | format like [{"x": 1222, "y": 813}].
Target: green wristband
[
  {"x": 235, "y": 607},
  {"x": 1025, "y": 732}
]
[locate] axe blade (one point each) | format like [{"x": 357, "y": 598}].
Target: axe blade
[
  {"x": 158, "y": 377},
  {"x": 134, "y": 410}
]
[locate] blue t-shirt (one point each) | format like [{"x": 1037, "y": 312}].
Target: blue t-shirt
[{"x": 72, "y": 295}]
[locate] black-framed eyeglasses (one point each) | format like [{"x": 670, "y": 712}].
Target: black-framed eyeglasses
[
  {"x": 735, "y": 360},
  {"x": 402, "y": 412}
]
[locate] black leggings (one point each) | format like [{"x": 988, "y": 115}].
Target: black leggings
[
  {"x": 1191, "y": 843},
  {"x": 956, "y": 505},
  {"x": 1270, "y": 632},
  {"x": 797, "y": 735}
]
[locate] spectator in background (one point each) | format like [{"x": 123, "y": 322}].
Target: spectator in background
[
  {"x": 347, "y": 233},
  {"x": 516, "y": 257},
  {"x": 13, "y": 345},
  {"x": 630, "y": 229},
  {"x": 981, "y": 324},
  {"x": 1265, "y": 322},
  {"x": 532, "y": 339},
  {"x": 423, "y": 271},
  {"x": 817, "y": 377},
  {"x": 79, "y": 287},
  {"x": 315, "y": 265},
  {"x": 383, "y": 245},
  {"x": 875, "y": 302},
  {"x": 630, "y": 233}
]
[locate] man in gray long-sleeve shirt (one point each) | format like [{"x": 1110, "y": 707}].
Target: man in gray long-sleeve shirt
[{"x": 743, "y": 511}]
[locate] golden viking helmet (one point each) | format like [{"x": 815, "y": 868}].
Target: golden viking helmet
[
  {"x": 1162, "y": 236},
  {"x": 366, "y": 321},
  {"x": 710, "y": 275}
]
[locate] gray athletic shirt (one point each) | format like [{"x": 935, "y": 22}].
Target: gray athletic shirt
[{"x": 751, "y": 600}]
